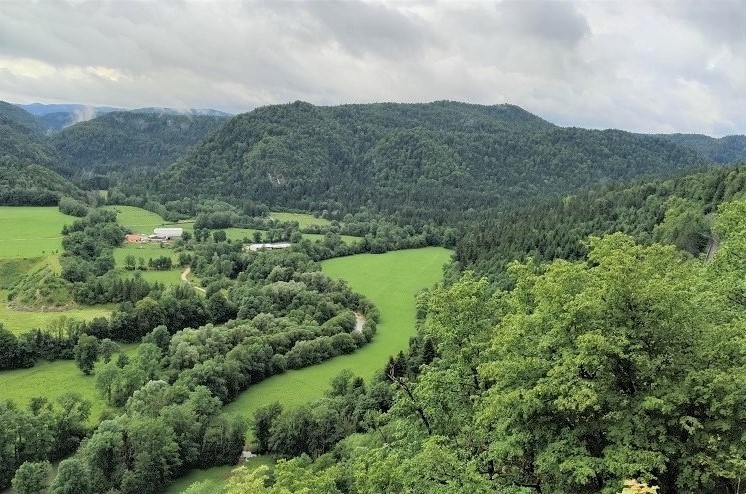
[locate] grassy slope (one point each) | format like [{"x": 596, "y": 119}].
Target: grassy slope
[
  {"x": 390, "y": 280},
  {"x": 31, "y": 231},
  {"x": 21, "y": 321}
]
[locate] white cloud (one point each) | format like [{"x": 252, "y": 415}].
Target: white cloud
[{"x": 641, "y": 66}]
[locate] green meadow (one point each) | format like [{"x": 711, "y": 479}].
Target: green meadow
[
  {"x": 21, "y": 321},
  {"x": 391, "y": 281},
  {"x": 31, "y": 231},
  {"x": 139, "y": 220},
  {"x": 52, "y": 379},
  {"x": 303, "y": 219}
]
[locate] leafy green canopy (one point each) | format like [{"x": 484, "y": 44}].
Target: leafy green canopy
[{"x": 627, "y": 364}]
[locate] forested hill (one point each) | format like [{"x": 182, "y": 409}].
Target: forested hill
[
  {"x": 119, "y": 141},
  {"x": 21, "y": 138},
  {"x": 728, "y": 149},
  {"x": 435, "y": 160},
  {"x": 675, "y": 211},
  {"x": 19, "y": 118}
]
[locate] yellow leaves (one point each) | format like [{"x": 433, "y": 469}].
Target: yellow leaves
[{"x": 635, "y": 487}]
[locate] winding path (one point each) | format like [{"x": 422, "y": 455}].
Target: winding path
[
  {"x": 184, "y": 278},
  {"x": 359, "y": 322}
]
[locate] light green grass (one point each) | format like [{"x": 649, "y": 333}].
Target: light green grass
[
  {"x": 52, "y": 379},
  {"x": 31, "y": 231},
  {"x": 19, "y": 322},
  {"x": 348, "y": 239},
  {"x": 303, "y": 219},
  {"x": 216, "y": 476},
  {"x": 146, "y": 251},
  {"x": 139, "y": 220},
  {"x": 391, "y": 281},
  {"x": 170, "y": 277},
  {"x": 238, "y": 234}
]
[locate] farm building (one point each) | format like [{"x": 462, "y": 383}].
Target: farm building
[
  {"x": 279, "y": 245},
  {"x": 135, "y": 239},
  {"x": 167, "y": 233}
]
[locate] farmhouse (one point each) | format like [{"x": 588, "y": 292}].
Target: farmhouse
[
  {"x": 166, "y": 233},
  {"x": 279, "y": 245}
]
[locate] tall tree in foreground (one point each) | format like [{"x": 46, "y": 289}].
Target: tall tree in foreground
[{"x": 624, "y": 366}]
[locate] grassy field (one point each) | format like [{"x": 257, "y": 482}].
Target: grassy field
[
  {"x": 216, "y": 476},
  {"x": 146, "y": 251},
  {"x": 52, "y": 379},
  {"x": 31, "y": 231},
  {"x": 390, "y": 280},
  {"x": 141, "y": 221},
  {"x": 348, "y": 239},
  {"x": 303, "y": 219},
  {"x": 20, "y": 321}
]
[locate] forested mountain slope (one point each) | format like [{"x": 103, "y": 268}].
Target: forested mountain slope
[
  {"x": 435, "y": 160},
  {"x": 119, "y": 141},
  {"x": 674, "y": 211},
  {"x": 728, "y": 149},
  {"x": 11, "y": 114}
]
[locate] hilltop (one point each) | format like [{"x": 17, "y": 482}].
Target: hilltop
[{"x": 438, "y": 158}]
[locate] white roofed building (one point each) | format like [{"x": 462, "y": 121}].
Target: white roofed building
[{"x": 167, "y": 233}]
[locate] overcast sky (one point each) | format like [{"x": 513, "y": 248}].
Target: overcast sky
[{"x": 641, "y": 66}]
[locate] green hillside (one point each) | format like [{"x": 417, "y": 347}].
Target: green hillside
[
  {"x": 119, "y": 141},
  {"x": 728, "y": 149},
  {"x": 414, "y": 159}
]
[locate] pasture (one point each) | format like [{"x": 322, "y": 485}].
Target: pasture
[
  {"x": 31, "y": 231},
  {"x": 391, "y": 281},
  {"x": 303, "y": 219},
  {"x": 18, "y": 322},
  {"x": 52, "y": 379},
  {"x": 139, "y": 220}
]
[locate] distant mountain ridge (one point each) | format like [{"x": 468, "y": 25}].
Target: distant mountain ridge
[
  {"x": 438, "y": 158},
  {"x": 728, "y": 149}
]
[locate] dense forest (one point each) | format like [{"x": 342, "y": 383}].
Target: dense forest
[
  {"x": 673, "y": 211},
  {"x": 119, "y": 141},
  {"x": 439, "y": 160}
]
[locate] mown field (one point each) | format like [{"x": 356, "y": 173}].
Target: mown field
[
  {"x": 303, "y": 219},
  {"x": 139, "y": 220},
  {"x": 31, "y": 231},
  {"x": 391, "y": 281}
]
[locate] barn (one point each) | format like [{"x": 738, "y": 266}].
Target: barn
[{"x": 167, "y": 233}]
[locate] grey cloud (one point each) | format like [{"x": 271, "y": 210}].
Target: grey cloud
[{"x": 642, "y": 66}]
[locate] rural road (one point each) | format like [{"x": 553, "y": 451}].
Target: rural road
[
  {"x": 712, "y": 248},
  {"x": 184, "y": 275}
]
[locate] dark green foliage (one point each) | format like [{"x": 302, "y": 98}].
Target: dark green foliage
[
  {"x": 120, "y": 141},
  {"x": 728, "y": 149},
  {"x": 70, "y": 206},
  {"x": 415, "y": 161},
  {"x": 32, "y": 477},
  {"x": 674, "y": 211},
  {"x": 86, "y": 353},
  {"x": 45, "y": 431}
]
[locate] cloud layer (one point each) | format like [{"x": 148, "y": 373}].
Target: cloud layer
[{"x": 641, "y": 66}]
